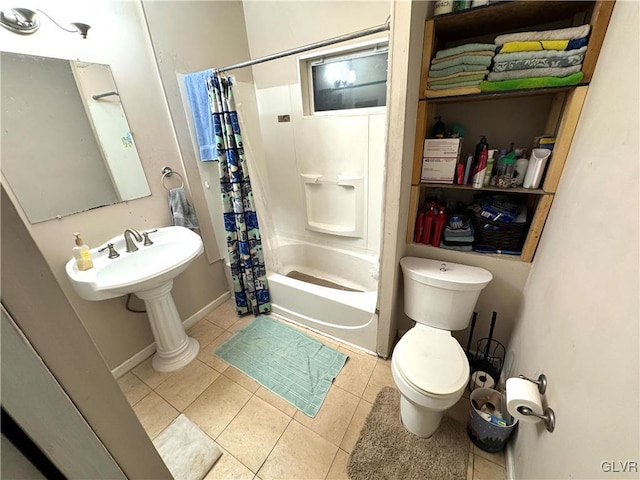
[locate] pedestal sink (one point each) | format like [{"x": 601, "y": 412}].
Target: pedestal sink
[{"x": 149, "y": 273}]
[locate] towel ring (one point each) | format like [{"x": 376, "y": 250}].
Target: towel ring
[{"x": 167, "y": 172}]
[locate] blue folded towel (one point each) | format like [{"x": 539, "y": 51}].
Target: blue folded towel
[{"x": 196, "y": 84}]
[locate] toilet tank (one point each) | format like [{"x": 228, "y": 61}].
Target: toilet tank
[{"x": 441, "y": 294}]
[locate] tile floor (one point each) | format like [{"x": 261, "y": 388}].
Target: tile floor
[{"x": 262, "y": 436}]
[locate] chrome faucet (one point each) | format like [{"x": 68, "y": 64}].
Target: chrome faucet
[{"x": 131, "y": 245}]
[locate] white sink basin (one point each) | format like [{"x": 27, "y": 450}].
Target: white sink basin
[{"x": 172, "y": 251}]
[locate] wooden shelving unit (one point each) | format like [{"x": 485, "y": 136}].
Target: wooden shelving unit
[{"x": 565, "y": 103}]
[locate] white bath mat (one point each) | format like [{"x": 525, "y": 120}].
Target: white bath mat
[{"x": 186, "y": 450}]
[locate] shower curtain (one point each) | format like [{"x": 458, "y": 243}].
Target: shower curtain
[{"x": 240, "y": 220}]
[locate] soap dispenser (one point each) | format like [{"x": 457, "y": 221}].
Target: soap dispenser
[{"x": 82, "y": 254}]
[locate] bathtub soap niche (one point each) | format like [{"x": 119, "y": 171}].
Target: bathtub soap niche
[{"x": 334, "y": 207}]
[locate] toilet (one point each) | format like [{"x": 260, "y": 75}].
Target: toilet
[{"x": 428, "y": 365}]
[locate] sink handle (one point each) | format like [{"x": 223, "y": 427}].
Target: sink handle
[
  {"x": 145, "y": 235},
  {"x": 112, "y": 251}
]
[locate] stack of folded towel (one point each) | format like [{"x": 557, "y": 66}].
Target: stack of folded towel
[
  {"x": 458, "y": 235},
  {"x": 459, "y": 70},
  {"x": 538, "y": 59}
]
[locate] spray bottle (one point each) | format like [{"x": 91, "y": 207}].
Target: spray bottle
[
  {"x": 428, "y": 225},
  {"x": 440, "y": 222},
  {"x": 480, "y": 169},
  {"x": 419, "y": 227}
]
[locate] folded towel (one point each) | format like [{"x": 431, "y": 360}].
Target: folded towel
[
  {"x": 481, "y": 60},
  {"x": 461, "y": 248},
  {"x": 457, "y": 76},
  {"x": 545, "y": 59},
  {"x": 462, "y": 233},
  {"x": 466, "y": 48},
  {"x": 182, "y": 213},
  {"x": 558, "y": 34},
  {"x": 458, "y": 68},
  {"x": 201, "y": 111},
  {"x": 450, "y": 81},
  {"x": 450, "y": 92},
  {"x": 482, "y": 53},
  {"x": 534, "y": 72},
  {"x": 471, "y": 83},
  {"x": 543, "y": 45},
  {"x": 531, "y": 82}
]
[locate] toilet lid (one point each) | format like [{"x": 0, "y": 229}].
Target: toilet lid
[{"x": 432, "y": 360}]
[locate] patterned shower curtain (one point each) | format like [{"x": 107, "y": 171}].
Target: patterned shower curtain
[{"x": 240, "y": 219}]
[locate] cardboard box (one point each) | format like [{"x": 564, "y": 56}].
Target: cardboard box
[{"x": 439, "y": 158}]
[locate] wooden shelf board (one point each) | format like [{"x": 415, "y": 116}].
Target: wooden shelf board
[
  {"x": 499, "y": 256},
  {"x": 530, "y": 191},
  {"x": 493, "y": 18},
  {"x": 527, "y": 92}
]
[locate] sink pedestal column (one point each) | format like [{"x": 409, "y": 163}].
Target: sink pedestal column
[{"x": 174, "y": 349}]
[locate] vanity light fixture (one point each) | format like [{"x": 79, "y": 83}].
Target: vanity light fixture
[{"x": 25, "y": 21}]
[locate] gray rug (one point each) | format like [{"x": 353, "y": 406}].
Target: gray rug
[{"x": 386, "y": 450}]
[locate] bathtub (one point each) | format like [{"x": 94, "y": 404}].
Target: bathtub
[{"x": 347, "y": 316}]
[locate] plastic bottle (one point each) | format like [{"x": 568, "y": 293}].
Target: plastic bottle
[
  {"x": 479, "y": 146},
  {"x": 443, "y": 6},
  {"x": 82, "y": 254},
  {"x": 440, "y": 221},
  {"x": 428, "y": 225},
  {"x": 521, "y": 169},
  {"x": 506, "y": 167},
  {"x": 438, "y": 129},
  {"x": 490, "y": 164},
  {"x": 481, "y": 169}
]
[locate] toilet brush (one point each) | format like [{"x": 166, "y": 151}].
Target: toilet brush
[{"x": 473, "y": 325}]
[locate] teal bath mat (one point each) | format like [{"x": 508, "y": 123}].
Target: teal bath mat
[{"x": 286, "y": 361}]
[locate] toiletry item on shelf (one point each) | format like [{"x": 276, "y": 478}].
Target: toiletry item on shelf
[
  {"x": 479, "y": 146},
  {"x": 467, "y": 169},
  {"x": 438, "y": 129},
  {"x": 490, "y": 166},
  {"x": 443, "y": 6},
  {"x": 479, "y": 3},
  {"x": 537, "y": 163},
  {"x": 506, "y": 168},
  {"x": 82, "y": 254},
  {"x": 427, "y": 231},
  {"x": 460, "y": 5},
  {"x": 480, "y": 169},
  {"x": 521, "y": 170},
  {"x": 439, "y": 224}
]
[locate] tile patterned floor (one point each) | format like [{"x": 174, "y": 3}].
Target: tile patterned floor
[{"x": 262, "y": 436}]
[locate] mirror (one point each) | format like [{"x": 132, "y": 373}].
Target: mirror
[{"x": 66, "y": 143}]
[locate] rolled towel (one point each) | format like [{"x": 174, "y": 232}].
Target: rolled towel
[
  {"x": 530, "y": 82},
  {"x": 558, "y": 34},
  {"x": 466, "y": 48},
  {"x": 481, "y": 60},
  {"x": 534, "y": 72},
  {"x": 544, "y": 59},
  {"x": 181, "y": 211}
]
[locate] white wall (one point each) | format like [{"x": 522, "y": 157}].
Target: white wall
[
  {"x": 118, "y": 37},
  {"x": 579, "y": 323},
  {"x": 331, "y": 145}
]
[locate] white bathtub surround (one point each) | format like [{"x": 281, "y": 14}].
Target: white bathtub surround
[
  {"x": 347, "y": 316},
  {"x": 186, "y": 450}
]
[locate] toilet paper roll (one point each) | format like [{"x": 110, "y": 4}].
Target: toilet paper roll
[
  {"x": 481, "y": 379},
  {"x": 523, "y": 393}
]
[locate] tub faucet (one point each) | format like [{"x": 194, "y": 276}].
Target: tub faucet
[{"x": 131, "y": 245}]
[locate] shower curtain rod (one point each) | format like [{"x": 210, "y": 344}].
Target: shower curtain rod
[{"x": 386, "y": 26}]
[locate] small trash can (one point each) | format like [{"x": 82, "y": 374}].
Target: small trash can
[{"x": 490, "y": 424}]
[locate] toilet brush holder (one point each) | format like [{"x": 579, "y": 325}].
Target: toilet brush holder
[{"x": 489, "y": 358}]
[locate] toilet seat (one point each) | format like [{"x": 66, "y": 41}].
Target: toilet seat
[{"x": 432, "y": 361}]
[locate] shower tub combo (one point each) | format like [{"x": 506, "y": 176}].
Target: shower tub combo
[{"x": 329, "y": 290}]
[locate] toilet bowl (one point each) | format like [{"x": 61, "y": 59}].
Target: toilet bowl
[{"x": 428, "y": 365}]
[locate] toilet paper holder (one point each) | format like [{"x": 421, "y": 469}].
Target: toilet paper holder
[
  {"x": 541, "y": 382},
  {"x": 548, "y": 417}
]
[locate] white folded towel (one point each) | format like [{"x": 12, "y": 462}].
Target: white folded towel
[{"x": 182, "y": 213}]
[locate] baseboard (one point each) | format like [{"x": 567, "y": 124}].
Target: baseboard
[
  {"x": 149, "y": 350},
  {"x": 509, "y": 461}
]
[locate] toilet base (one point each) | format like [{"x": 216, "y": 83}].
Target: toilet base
[{"x": 419, "y": 420}]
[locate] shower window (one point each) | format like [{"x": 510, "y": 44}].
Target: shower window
[{"x": 348, "y": 80}]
